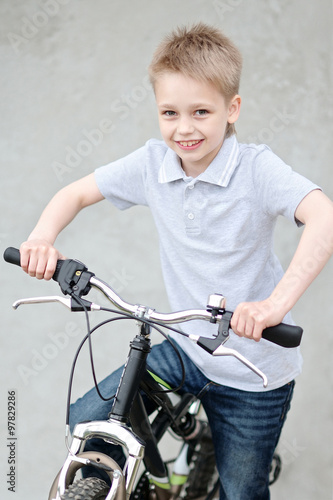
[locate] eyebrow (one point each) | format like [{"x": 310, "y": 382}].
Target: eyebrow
[
  {"x": 199, "y": 105},
  {"x": 165, "y": 105}
]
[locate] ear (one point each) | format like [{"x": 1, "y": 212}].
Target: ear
[{"x": 234, "y": 108}]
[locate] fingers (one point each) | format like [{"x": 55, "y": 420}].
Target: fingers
[
  {"x": 39, "y": 259},
  {"x": 249, "y": 321},
  {"x": 251, "y": 318}
]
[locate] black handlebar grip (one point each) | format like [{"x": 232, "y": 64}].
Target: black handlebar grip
[
  {"x": 283, "y": 335},
  {"x": 12, "y": 256}
]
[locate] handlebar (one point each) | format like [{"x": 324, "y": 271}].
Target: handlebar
[{"x": 74, "y": 279}]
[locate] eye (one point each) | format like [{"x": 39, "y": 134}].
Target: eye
[
  {"x": 201, "y": 112},
  {"x": 168, "y": 112}
]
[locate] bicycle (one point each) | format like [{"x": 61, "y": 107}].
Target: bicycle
[{"x": 194, "y": 471}]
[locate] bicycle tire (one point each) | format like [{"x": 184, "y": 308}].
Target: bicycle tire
[
  {"x": 203, "y": 481},
  {"x": 89, "y": 488}
]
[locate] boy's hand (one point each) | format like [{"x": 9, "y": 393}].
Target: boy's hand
[
  {"x": 251, "y": 318},
  {"x": 39, "y": 258}
]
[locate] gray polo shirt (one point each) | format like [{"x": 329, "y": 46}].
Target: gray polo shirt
[{"x": 216, "y": 235}]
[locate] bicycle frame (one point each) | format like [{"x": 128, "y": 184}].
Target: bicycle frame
[{"x": 140, "y": 442}]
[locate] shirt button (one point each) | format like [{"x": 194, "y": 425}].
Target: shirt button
[
  {"x": 190, "y": 216},
  {"x": 191, "y": 186}
]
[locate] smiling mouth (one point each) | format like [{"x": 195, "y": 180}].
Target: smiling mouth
[{"x": 189, "y": 144}]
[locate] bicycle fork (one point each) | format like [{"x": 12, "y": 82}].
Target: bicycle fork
[{"x": 114, "y": 431}]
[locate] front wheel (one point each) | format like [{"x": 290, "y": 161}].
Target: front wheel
[{"x": 89, "y": 488}]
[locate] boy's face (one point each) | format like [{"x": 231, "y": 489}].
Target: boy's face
[{"x": 193, "y": 117}]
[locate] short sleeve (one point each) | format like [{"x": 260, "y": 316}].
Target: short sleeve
[
  {"x": 122, "y": 182},
  {"x": 279, "y": 188}
]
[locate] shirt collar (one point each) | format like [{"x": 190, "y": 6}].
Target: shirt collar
[
  {"x": 219, "y": 172},
  {"x": 171, "y": 169}
]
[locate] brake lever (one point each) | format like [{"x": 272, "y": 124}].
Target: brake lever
[
  {"x": 215, "y": 346},
  {"x": 71, "y": 303},
  {"x": 220, "y": 350},
  {"x": 210, "y": 344},
  {"x": 225, "y": 351}
]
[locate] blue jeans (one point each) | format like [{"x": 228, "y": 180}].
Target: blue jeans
[{"x": 246, "y": 426}]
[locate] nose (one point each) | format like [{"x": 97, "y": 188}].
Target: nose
[{"x": 185, "y": 125}]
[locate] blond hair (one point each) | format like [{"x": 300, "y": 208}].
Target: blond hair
[{"x": 201, "y": 52}]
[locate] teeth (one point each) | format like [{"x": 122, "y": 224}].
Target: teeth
[{"x": 188, "y": 143}]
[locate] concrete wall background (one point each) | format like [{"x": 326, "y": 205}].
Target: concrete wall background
[{"x": 71, "y": 67}]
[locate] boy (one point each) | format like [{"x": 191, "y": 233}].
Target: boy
[{"x": 215, "y": 203}]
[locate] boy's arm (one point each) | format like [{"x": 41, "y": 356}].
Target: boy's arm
[
  {"x": 38, "y": 255},
  {"x": 313, "y": 252}
]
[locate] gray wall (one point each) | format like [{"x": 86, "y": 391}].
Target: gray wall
[{"x": 75, "y": 96}]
